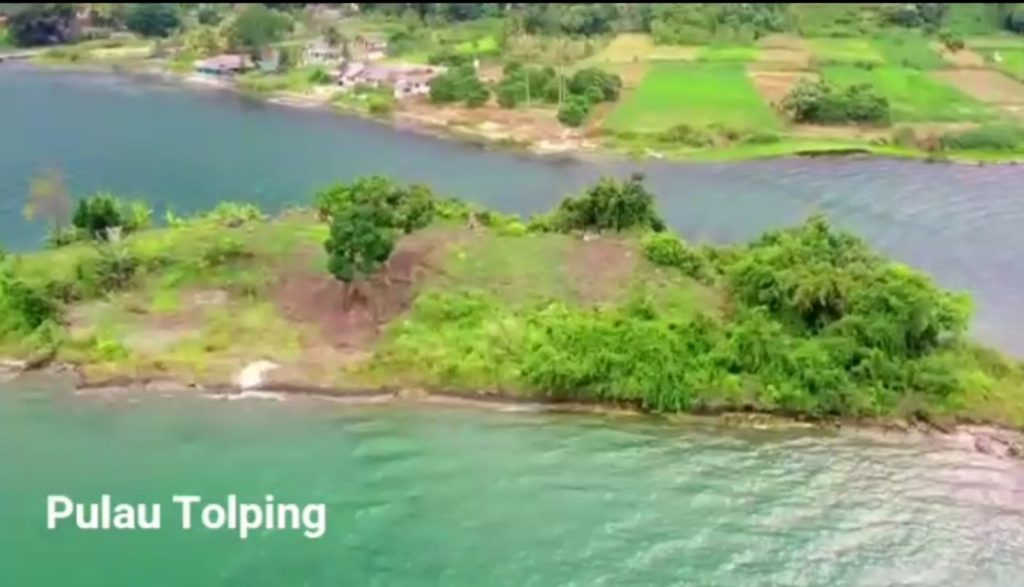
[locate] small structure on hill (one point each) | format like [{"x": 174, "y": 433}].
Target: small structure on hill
[
  {"x": 222, "y": 65},
  {"x": 372, "y": 47},
  {"x": 320, "y": 53}
]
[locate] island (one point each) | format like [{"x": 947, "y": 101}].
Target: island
[{"x": 383, "y": 287}]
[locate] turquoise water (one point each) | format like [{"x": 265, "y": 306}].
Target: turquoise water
[{"x": 460, "y": 497}]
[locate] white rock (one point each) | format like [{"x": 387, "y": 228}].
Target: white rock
[{"x": 251, "y": 376}]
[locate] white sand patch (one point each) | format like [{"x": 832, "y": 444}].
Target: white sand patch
[{"x": 251, "y": 377}]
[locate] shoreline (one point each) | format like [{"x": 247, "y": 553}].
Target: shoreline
[
  {"x": 989, "y": 439},
  {"x": 787, "y": 147}
]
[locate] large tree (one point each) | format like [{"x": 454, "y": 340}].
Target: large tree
[
  {"x": 257, "y": 27},
  {"x": 42, "y": 24},
  {"x": 153, "y": 20}
]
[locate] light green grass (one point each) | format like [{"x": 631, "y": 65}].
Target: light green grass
[
  {"x": 907, "y": 49},
  {"x": 487, "y": 44},
  {"x": 507, "y": 267},
  {"x": 913, "y": 95},
  {"x": 696, "y": 94},
  {"x": 1011, "y": 60},
  {"x": 844, "y": 51},
  {"x": 736, "y": 53}
]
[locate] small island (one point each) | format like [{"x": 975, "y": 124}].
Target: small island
[
  {"x": 942, "y": 82},
  {"x": 383, "y": 286}
]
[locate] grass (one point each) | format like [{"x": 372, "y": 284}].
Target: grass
[
  {"x": 968, "y": 19},
  {"x": 1011, "y": 60},
  {"x": 907, "y": 49},
  {"x": 636, "y": 48},
  {"x": 735, "y": 53},
  {"x": 695, "y": 94},
  {"x": 296, "y": 80},
  {"x": 845, "y": 51},
  {"x": 913, "y": 95},
  {"x": 484, "y": 45}
]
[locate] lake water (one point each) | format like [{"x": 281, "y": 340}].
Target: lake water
[
  {"x": 466, "y": 498},
  {"x": 188, "y": 149},
  {"x": 460, "y": 497}
]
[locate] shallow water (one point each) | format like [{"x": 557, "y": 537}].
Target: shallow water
[
  {"x": 454, "y": 497},
  {"x": 188, "y": 148}
]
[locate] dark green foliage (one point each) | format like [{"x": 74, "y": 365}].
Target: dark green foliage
[
  {"x": 994, "y": 137},
  {"x": 360, "y": 242},
  {"x": 23, "y": 308},
  {"x": 153, "y": 20},
  {"x": 42, "y": 24},
  {"x": 257, "y": 27},
  {"x": 929, "y": 16},
  {"x": 409, "y": 208},
  {"x": 823, "y": 103},
  {"x": 449, "y": 58},
  {"x": 952, "y": 41},
  {"x": 569, "y": 19},
  {"x": 319, "y": 76},
  {"x": 209, "y": 15},
  {"x": 574, "y": 111},
  {"x": 97, "y": 216},
  {"x": 610, "y": 205},
  {"x": 687, "y": 24},
  {"x": 459, "y": 84},
  {"x": 605, "y": 85},
  {"x": 1014, "y": 20},
  {"x": 668, "y": 250}
]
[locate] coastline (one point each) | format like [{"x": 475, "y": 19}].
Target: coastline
[
  {"x": 988, "y": 439},
  {"x": 577, "y": 149}
]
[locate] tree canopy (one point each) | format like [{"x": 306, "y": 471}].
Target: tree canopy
[
  {"x": 42, "y": 24},
  {"x": 257, "y": 27},
  {"x": 153, "y": 20}
]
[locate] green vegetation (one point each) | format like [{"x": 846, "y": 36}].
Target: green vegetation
[
  {"x": 459, "y": 84},
  {"x": 913, "y": 96},
  {"x": 805, "y": 321},
  {"x": 909, "y": 50},
  {"x": 707, "y": 93},
  {"x": 152, "y": 20},
  {"x": 824, "y": 103},
  {"x": 846, "y": 51},
  {"x": 995, "y": 137}
]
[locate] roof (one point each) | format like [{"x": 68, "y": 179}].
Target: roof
[{"x": 224, "y": 62}]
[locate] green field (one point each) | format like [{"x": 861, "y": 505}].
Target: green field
[
  {"x": 1008, "y": 60},
  {"x": 907, "y": 50},
  {"x": 734, "y": 53},
  {"x": 694, "y": 94},
  {"x": 913, "y": 95},
  {"x": 845, "y": 51}
]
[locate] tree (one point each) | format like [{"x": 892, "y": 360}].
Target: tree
[
  {"x": 360, "y": 242},
  {"x": 333, "y": 37},
  {"x": 153, "y": 20},
  {"x": 42, "y": 24},
  {"x": 49, "y": 200},
  {"x": 256, "y": 27},
  {"x": 209, "y": 16},
  {"x": 574, "y": 111},
  {"x": 610, "y": 205}
]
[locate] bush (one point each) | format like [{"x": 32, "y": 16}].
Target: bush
[
  {"x": 24, "y": 308},
  {"x": 408, "y": 207},
  {"x": 319, "y": 76},
  {"x": 952, "y": 41},
  {"x": 597, "y": 85},
  {"x": 99, "y": 216},
  {"x": 1001, "y": 137},
  {"x": 823, "y": 103},
  {"x": 574, "y": 111},
  {"x": 381, "y": 106},
  {"x": 668, "y": 250},
  {"x": 459, "y": 84},
  {"x": 684, "y": 134},
  {"x": 610, "y": 205}
]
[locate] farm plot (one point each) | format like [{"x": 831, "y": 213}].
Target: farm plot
[
  {"x": 845, "y": 51},
  {"x": 696, "y": 94},
  {"x": 914, "y": 96}
]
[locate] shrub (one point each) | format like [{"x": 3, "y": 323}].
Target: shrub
[
  {"x": 319, "y": 76},
  {"x": 597, "y": 85},
  {"x": 684, "y": 134},
  {"x": 381, "y": 106},
  {"x": 408, "y": 208},
  {"x": 98, "y": 216},
  {"x": 952, "y": 41},
  {"x": 24, "y": 308},
  {"x": 574, "y": 111},
  {"x": 610, "y": 205},
  {"x": 824, "y": 103},
  {"x": 995, "y": 137}
]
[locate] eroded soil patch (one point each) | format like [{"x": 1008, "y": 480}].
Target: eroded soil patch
[{"x": 601, "y": 268}]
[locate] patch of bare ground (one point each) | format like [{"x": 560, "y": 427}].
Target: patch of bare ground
[
  {"x": 350, "y": 317},
  {"x": 600, "y": 267},
  {"x": 775, "y": 85},
  {"x": 960, "y": 58},
  {"x": 992, "y": 87},
  {"x": 784, "y": 52},
  {"x": 492, "y": 122},
  {"x": 867, "y": 133}
]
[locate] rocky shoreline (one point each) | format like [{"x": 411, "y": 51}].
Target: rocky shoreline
[{"x": 995, "y": 441}]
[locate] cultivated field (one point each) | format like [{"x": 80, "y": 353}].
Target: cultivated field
[
  {"x": 913, "y": 95},
  {"x": 845, "y": 51},
  {"x": 695, "y": 94}
]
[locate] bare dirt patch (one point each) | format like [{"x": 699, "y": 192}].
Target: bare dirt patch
[
  {"x": 961, "y": 58},
  {"x": 600, "y": 268},
  {"x": 775, "y": 85},
  {"x": 986, "y": 85},
  {"x": 784, "y": 52},
  {"x": 350, "y": 317}
]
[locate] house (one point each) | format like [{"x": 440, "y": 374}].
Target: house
[
  {"x": 320, "y": 53},
  {"x": 404, "y": 79},
  {"x": 226, "y": 64}
]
